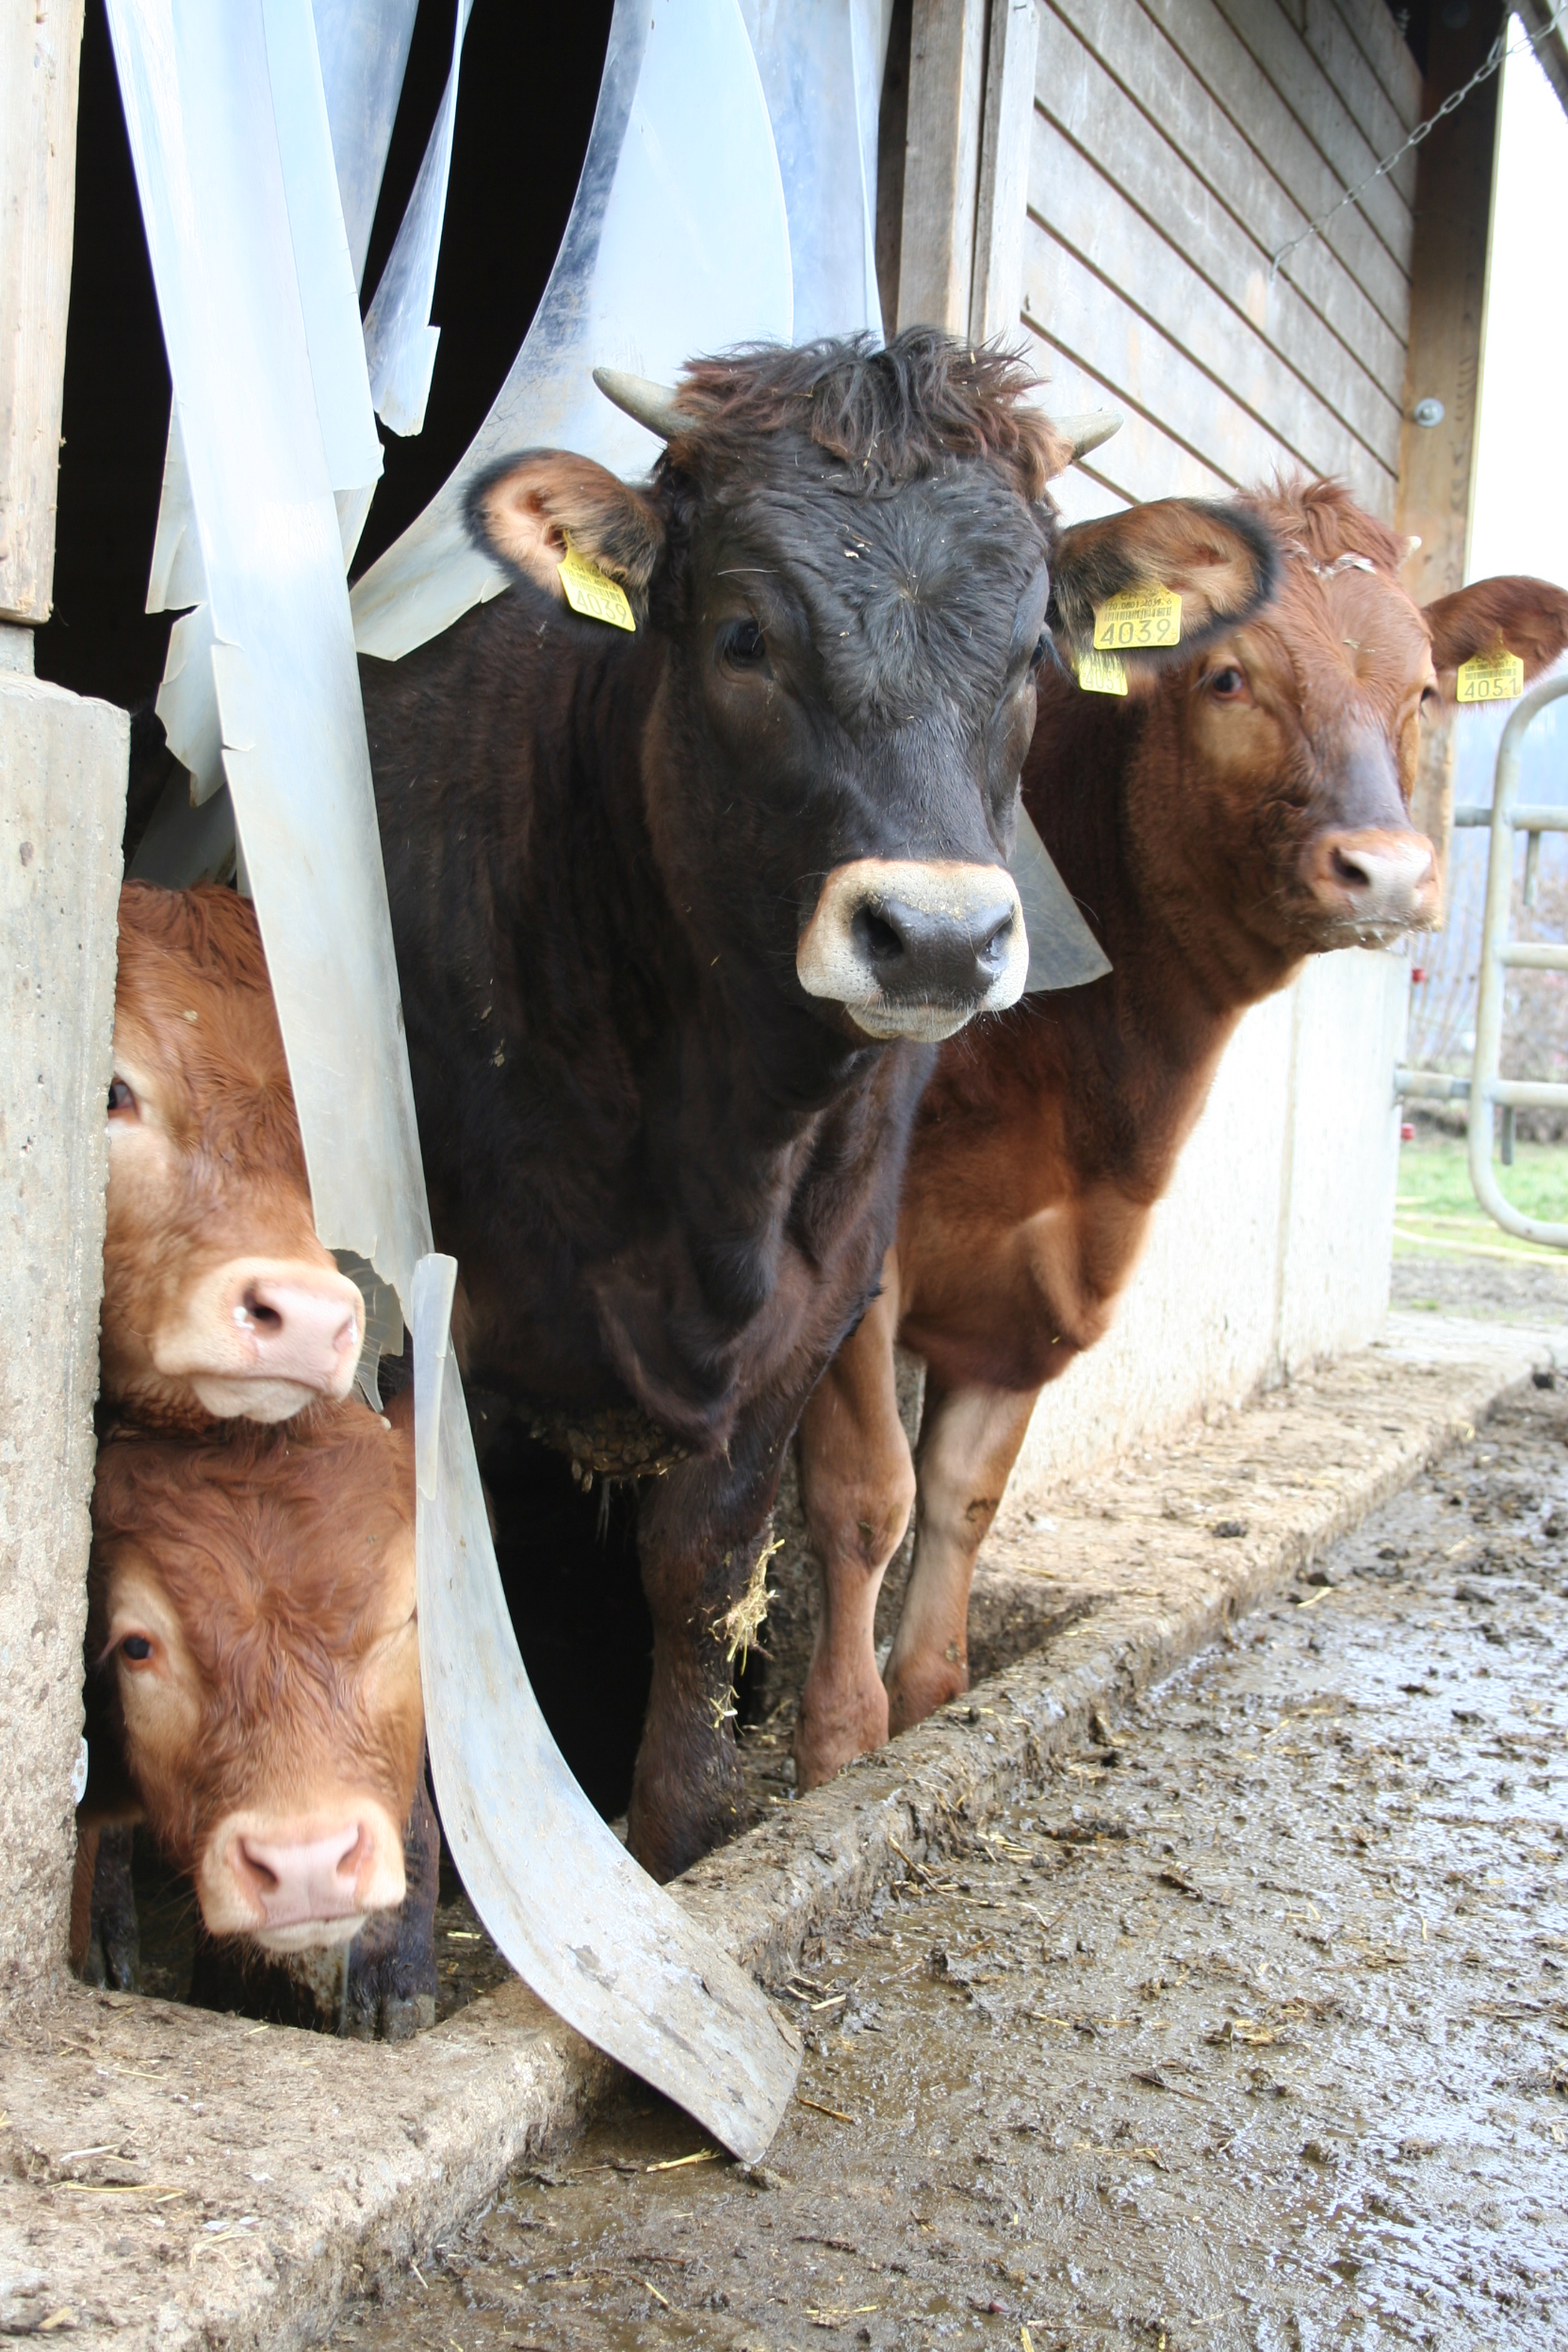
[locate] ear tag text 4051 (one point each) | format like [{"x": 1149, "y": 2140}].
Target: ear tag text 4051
[
  {"x": 1137, "y": 617},
  {"x": 1490, "y": 678},
  {"x": 1101, "y": 674},
  {"x": 593, "y": 593}
]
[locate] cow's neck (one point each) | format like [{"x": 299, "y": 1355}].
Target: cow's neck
[{"x": 1181, "y": 974}]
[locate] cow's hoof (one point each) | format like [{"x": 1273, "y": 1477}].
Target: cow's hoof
[
  {"x": 830, "y": 1732},
  {"x": 920, "y": 1687},
  {"x": 401, "y": 2019}
]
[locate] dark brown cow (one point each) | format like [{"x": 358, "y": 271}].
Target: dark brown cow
[
  {"x": 219, "y": 1299},
  {"x": 1248, "y": 809},
  {"x": 253, "y": 1667},
  {"x": 678, "y": 909}
]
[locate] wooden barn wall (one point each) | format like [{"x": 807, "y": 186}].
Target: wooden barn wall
[{"x": 1175, "y": 145}]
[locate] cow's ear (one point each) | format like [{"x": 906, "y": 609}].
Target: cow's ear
[
  {"x": 1528, "y": 618},
  {"x": 525, "y": 510},
  {"x": 1222, "y": 561}
]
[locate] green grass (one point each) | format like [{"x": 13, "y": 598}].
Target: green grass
[{"x": 1437, "y": 1209}]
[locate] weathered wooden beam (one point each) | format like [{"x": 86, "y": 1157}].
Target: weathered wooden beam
[
  {"x": 1443, "y": 377},
  {"x": 996, "y": 293},
  {"x": 942, "y": 161},
  {"x": 40, "y": 51},
  {"x": 62, "y": 803}
]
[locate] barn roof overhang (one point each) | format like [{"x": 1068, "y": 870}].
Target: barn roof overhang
[{"x": 1553, "y": 50}]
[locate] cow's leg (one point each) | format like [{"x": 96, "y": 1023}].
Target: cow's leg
[
  {"x": 81, "y": 1904},
  {"x": 701, "y": 1535},
  {"x": 104, "y": 1944},
  {"x": 857, "y": 1486},
  {"x": 968, "y": 1441},
  {"x": 390, "y": 1986}
]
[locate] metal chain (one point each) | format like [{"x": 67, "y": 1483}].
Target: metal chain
[{"x": 1490, "y": 65}]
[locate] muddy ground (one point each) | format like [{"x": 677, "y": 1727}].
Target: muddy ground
[{"x": 1248, "y": 2028}]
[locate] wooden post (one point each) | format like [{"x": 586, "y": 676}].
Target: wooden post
[
  {"x": 1454, "y": 190},
  {"x": 941, "y": 159},
  {"x": 40, "y": 51},
  {"x": 996, "y": 295},
  {"x": 62, "y": 808}
]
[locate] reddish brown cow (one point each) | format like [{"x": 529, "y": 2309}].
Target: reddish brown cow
[
  {"x": 1243, "y": 810},
  {"x": 253, "y": 1667},
  {"x": 219, "y": 1299}
]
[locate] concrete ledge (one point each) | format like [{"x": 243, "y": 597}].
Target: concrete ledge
[{"x": 237, "y": 2180}]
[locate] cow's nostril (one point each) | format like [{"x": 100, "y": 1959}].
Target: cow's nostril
[
  {"x": 995, "y": 947},
  {"x": 348, "y": 1864},
  {"x": 1347, "y": 870},
  {"x": 255, "y": 1310},
  {"x": 881, "y": 941},
  {"x": 266, "y": 1877}
]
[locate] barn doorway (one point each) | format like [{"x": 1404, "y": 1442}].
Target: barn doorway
[{"x": 530, "y": 84}]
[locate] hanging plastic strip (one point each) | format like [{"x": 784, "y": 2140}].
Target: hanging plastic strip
[{"x": 611, "y": 1952}]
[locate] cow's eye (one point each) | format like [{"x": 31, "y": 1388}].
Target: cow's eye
[
  {"x": 136, "y": 1650},
  {"x": 1042, "y": 646},
  {"x": 1431, "y": 701},
  {"x": 1228, "y": 684},
  {"x": 122, "y": 1102},
  {"x": 742, "y": 644}
]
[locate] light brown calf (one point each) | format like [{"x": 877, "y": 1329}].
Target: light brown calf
[
  {"x": 252, "y": 1668},
  {"x": 1231, "y": 816},
  {"x": 219, "y": 1299}
]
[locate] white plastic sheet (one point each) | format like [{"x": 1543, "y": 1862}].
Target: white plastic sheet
[
  {"x": 328, "y": 302},
  {"x": 569, "y": 1907},
  {"x": 364, "y": 46},
  {"x": 821, "y": 64},
  {"x": 400, "y": 340},
  {"x": 676, "y": 243}
]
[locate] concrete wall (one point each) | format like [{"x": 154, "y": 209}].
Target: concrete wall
[
  {"x": 1271, "y": 1250},
  {"x": 1174, "y": 145},
  {"x": 62, "y": 803}
]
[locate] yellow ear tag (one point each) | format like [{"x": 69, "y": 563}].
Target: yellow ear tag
[
  {"x": 1101, "y": 674},
  {"x": 1490, "y": 678},
  {"x": 1138, "y": 616},
  {"x": 593, "y": 593}
]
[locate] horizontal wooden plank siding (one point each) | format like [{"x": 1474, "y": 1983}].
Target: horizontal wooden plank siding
[
  {"x": 1259, "y": 322},
  {"x": 1306, "y": 88},
  {"x": 1177, "y": 145}
]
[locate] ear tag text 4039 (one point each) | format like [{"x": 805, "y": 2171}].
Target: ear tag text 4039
[
  {"x": 593, "y": 593},
  {"x": 1137, "y": 617},
  {"x": 1490, "y": 678},
  {"x": 1101, "y": 674}
]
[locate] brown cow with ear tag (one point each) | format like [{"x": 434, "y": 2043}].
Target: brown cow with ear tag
[
  {"x": 252, "y": 1668},
  {"x": 219, "y": 1299},
  {"x": 1228, "y": 817}
]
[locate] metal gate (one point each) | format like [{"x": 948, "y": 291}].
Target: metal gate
[{"x": 1500, "y": 954}]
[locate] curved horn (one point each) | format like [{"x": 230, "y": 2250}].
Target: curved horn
[
  {"x": 1088, "y": 429},
  {"x": 652, "y": 404}
]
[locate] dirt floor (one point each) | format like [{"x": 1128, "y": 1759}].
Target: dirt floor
[
  {"x": 1248, "y": 2026},
  {"x": 1496, "y": 1289}
]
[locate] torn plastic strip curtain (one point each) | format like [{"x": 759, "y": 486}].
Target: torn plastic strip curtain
[
  {"x": 821, "y": 76},
  {"x": 328, "y": 297},
  {"x": 677, "y": 243},
  {"x": 612, "y": 1953},
  {"x": 363, "y": 46},
  {"x": 400, "y": 340},
  {"x": 196, "y": 84},
  {"x": 1063, "y": 950},
  {"x": 597, "y": 1935}
]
